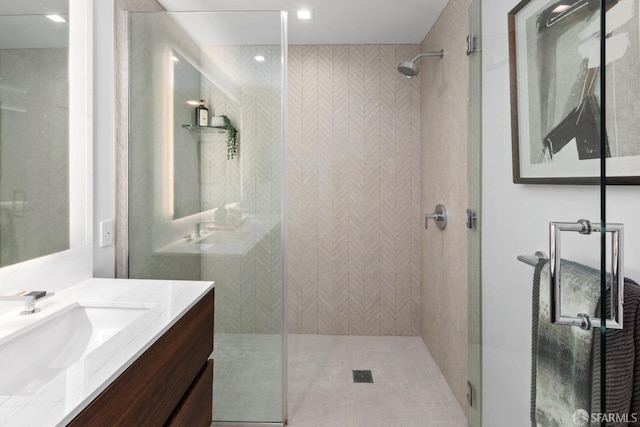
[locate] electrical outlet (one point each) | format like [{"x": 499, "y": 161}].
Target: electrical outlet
[{"x": 106, "y": 233}]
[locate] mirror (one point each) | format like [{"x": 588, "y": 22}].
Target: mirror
[
  {"x": 203, "y": 177},
  {"x": 34, "y": 130},
  {"x": 186, "y": 146}
]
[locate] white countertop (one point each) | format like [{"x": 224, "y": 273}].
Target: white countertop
[
  {"x": 236, "y": 242},
  {"x": 62, "y": 398}
]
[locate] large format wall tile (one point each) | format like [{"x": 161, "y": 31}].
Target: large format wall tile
[{"x": 353, "y": 183}]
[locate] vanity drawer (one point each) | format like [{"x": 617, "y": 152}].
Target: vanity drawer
[
  {"x": 196, "y": 407},
  {"x": 147, "y": 393}
]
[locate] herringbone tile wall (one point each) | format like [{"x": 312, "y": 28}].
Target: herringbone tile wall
[
  {"x": 445, "y": 124},
  {"x": 353, "y": 196},
  {"x": 248, "y": 284},
  {"x": 249, "y": 296},
  {"x": 353, "y": 177},
  {"x": 123, "y": 7}
]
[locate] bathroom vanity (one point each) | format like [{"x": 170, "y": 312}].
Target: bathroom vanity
[{"x": 111, "y": 352}]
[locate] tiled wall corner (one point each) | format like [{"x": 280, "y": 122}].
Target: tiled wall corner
[{"x": 444, "y": 180}]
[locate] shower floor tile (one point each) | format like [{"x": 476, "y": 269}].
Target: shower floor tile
[
  {"x": 409, "y": 390},
  {"x": 247, "y": 381}
]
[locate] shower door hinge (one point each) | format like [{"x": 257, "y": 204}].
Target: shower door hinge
[
  {"x": 471, "y": 43},
  {"x": 469, "y": 393},
  {"x": 471, "y": 219}
]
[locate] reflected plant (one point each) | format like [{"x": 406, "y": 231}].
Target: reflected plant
[{"x": 232, "y": 138}]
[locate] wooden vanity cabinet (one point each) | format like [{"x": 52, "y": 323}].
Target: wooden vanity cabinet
[{"x": 170, "y": 384}]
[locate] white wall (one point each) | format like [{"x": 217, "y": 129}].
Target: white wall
[{"x": 515, "y": 221}]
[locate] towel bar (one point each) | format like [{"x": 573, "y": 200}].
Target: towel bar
[{"x": 533, "y": 260}]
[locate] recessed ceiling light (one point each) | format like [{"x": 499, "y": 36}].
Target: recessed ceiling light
[
  {"x": 174, "y": 58},
  {"x": 259, "y": 58},
  {"x": 304, "y": 14},
  {"x": 561, "y": 8},
  {"x": 56, "y": 18}
]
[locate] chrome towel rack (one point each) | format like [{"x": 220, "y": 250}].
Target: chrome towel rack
[
  {"x": 533, "y": 260},
  {"x": 583, "y": 226}
]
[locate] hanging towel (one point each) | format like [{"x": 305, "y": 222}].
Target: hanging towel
[
  {"x": 622, "y": 363},
  {"x": 561, "y": 355},
  {"x": 565, "y": 370}
]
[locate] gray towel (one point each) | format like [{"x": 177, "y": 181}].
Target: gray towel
[
  {"x": 565, "y": 377},
  {"x": 561, "y": 355},
  {"x": 622, "y": 363}
]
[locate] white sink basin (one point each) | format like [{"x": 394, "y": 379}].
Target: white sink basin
[
  {"x": 225, "y": 238},
  {"x": 33, "y": 357}
]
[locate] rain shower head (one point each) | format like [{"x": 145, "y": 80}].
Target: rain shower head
[{"x": 410, "y": 68}]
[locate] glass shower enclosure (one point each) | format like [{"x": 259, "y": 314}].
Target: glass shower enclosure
[
  {"x": 205, "y": 198},
  {"x": 557, "y": 309}
]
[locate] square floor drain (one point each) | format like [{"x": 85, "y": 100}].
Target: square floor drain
[{"x": 362, "y": 376}]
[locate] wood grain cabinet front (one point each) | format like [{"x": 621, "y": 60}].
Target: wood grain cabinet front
[
  {"x": 197, "y": 405},
  {"x": 169, "y": 384}
]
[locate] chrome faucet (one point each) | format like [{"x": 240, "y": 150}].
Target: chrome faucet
[
  {"x": 29, "y": 299},
  {"x": 201, "y": 227}
]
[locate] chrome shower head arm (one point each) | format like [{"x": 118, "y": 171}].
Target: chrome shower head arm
[{"x": 420, "y": 55}]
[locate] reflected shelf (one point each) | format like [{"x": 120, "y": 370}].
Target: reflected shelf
[{"x": 198, "y": 128}]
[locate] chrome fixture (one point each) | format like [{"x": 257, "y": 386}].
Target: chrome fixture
[
  {"x": 201, "y": 227},
  {"x": 471, "y": 43},
  {"x": 410, "y": 68},
  {"x": 533, "y": 260},
  {"x": 439, "y": 216},
  {"x": 583, "y": 226},
  {"x": 472, "y": 219},
  {"x": 29, "y": 299}
]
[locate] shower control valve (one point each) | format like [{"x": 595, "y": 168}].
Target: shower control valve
[{"x": 439, "y": 216}]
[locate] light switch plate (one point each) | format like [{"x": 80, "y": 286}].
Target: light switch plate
[{"x": 106, "y": 233}]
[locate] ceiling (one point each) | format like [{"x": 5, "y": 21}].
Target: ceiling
[
  {"x": 23, "y": 24},
  {"x": 334, "y": 21},
  {"x": 33, "y": 7}
]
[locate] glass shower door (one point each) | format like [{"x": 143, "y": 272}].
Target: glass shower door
[
  {"x": 206, "y": 198},
  {"x": 558, "y": 97},
  {"x": 474, "y": 174},
  {"x": 554, "y": 351}
]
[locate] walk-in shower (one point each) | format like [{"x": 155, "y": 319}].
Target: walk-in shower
[{"x": 410, "y": 68}]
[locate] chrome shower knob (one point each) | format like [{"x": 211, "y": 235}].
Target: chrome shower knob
[{"x": 439, "y": 216}]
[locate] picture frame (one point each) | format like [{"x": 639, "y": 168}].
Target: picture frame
[{"x": 554, "y": 66}]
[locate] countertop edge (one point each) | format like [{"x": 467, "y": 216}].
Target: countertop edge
[
  {"x": 86, "y": 402},
  {"x": 65, "y": 396}
]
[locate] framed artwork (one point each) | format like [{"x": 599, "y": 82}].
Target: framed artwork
[{"x": 554, "y": 61}]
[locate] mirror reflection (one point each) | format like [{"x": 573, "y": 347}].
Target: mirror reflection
[
  {"x": 204, "y": 175},
  {"x": 34, "y": 130},
  {"x": 186, "y": 145}
]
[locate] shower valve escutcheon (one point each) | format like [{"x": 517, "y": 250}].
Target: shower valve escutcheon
[{"x": 439, "y": 216}]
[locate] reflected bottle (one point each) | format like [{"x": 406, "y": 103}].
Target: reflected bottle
[{"x": 202, "y": 114}]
